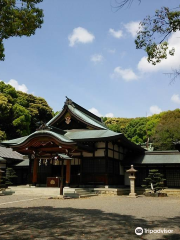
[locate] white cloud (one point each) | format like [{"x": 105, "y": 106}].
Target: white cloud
[
  {"x": 116, "y": 34},
  {"x": 154, "y": 110},
  {"x": 126, "y": 74},
  {"x": 17, "y": 86},
  {"x": 112, "y": 50},
  {"x": 96, "y": 58},
  {"x": 95, "y": 111},
  {"x": 167, "y": 65},
  {"x": 175, "y": 98},
  {"x": 109, "y": 115},
  {"x": 80, "y": 35},
  {"x": 132, "y": 28}
]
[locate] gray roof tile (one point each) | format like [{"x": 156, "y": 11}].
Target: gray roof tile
[{"x": 9, "y": 153}]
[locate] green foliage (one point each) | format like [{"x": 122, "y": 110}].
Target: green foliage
[
  {"x": 117, "y": 124},
  {"x": 19, "y": 112},
  {"x": 167, "y": 130},
  {"x": 18, "y": 18},
  {"x": 104, "y": 119},
  {"x": 10, "y": 175},
  {"x": 154, "y": 181},
  {"x": 135, "y": 129},
  {"x": 22, "y": 119},
  {"x": 162, "y": 129},
  {"x": 153, "y": 32},
  {"x": 2, "y": 135}
]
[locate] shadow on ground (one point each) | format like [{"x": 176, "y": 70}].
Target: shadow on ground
[{"x": 50, "y": 223}]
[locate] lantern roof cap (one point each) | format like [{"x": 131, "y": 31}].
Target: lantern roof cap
[{"x": 131, "y": 170}]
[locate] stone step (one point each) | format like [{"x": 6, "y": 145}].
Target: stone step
[
  {"x": 88, "y": 195},
  {"x": 83, "y": 192}
]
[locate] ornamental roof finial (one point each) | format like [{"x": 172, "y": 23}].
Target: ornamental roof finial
[{"x": 68, "y": 101}]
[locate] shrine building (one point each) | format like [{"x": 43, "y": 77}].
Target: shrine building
[{"x": 77, "y": 147}]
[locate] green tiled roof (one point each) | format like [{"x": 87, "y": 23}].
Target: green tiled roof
[
  {"x": 64, "y": 156},
  {"x": 90, "y": 134},
  {"x": 52, "y": 119},
  {"x": 82, "y": 114},
  {"x": 2, "y": 159},
  {"x": 10, "y": 154},
  {"x": 70, "y": 136},
  {"x": 86, "y": 118},
  {"x": 24, "y": 163},
  {"x": 157, "y": 158},
  {"x": 38, "y": 133},
  {"x": 14, "y": 141}
]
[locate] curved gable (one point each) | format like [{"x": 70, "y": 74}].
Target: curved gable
[{"x": 79, "y": 118}]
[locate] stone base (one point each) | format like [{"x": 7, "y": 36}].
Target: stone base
[
  {"x": 148, "y": 194},
  {"x": 133, "y": 195},
  {"x": 8, "y": 192}
]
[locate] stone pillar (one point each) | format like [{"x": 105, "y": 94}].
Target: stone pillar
[
  {"x": 132, "y": 186},
  {"x": 132, "y": 177},
  {"x": 68, "y": 172},
  {"x": 35, "y": 172}
]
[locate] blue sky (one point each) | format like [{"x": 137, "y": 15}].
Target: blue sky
[{"x": 85, "y": 50}]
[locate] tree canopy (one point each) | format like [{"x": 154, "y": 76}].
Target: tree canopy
[
  {"x": 154, "y": 31},
  {"x": 161, "y": 129},
  {"x": 18, "y": 18},
  {"x": 20, "y": 112}
]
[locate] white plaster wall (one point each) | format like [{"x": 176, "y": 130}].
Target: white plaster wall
[
  {"x": 85, "y": 154},
  {"x": 99, "y": 153},
  {"x": 110, "y": 145},
  {"x": 116, "y": 148},
  {"x": 100, "y": 145},
  {"x": 76, "y": 154},
  {"x": 77, "y": 161},
  {"x": 116, "y": 155},
  {"x": 110, "y": 153},
  {"x": 65, "y": 161}
]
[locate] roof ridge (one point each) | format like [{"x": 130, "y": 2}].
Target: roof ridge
[
  {"x": 87, "y": 112},
  {"x": 92, "y": 118}
]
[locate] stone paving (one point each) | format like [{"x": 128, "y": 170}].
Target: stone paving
[{"x": 101, "y": 217}]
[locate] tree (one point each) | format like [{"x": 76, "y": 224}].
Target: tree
[
  {"x": 163, "y": 23},
  {"x": 19, "y": 112},
  {"x": 2, "y": 135},
  {"x": 18, "y": 18},
  {"x": 167, "y": 131},
  {"x": 161, "y": 129},
  {"x": 154, "y": 31},
  {"x": 10, "y": 175},
  {"x": 154, "y": 181}
]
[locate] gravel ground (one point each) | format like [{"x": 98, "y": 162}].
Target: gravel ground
[{"x": 101, "y": 217}]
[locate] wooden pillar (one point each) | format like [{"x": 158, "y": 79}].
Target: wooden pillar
[
  {"x": 35, "y": 171},
  {"x": 107, "y": 168},
  {"x": 68, "y": 172},
  {"x": 62, "y": 178},
  {"x": 81, "y": 170}
]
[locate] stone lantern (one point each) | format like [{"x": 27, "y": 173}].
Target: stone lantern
[{"x": 132, "y": 177}]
